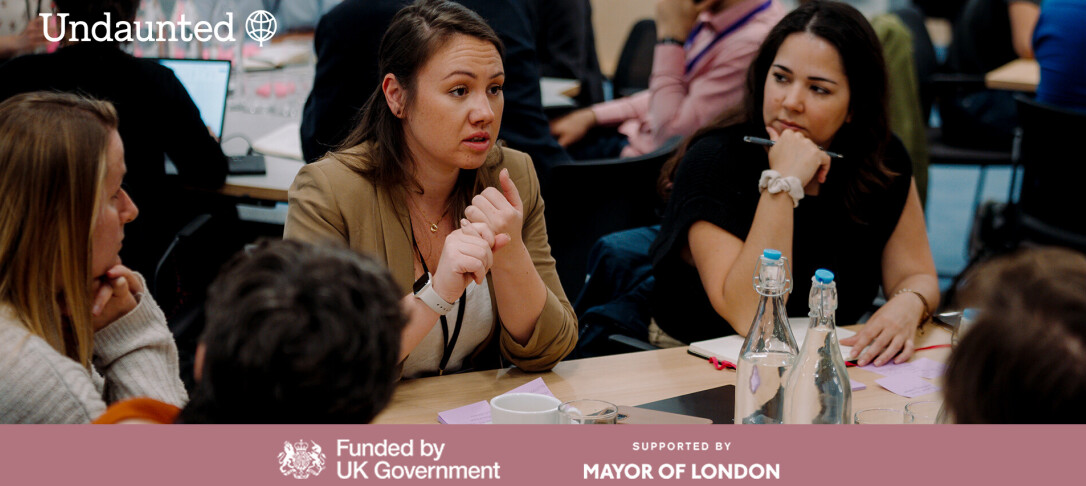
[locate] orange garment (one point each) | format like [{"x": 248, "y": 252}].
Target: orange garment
[{"x": 141, "y": 409}]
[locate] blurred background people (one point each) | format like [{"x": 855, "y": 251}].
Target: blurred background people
[
  {"x": 22, "y": 31},
  {"x": 1058, "y": 40},
  {"x": 702, "y": 52},
  {"x": 566, "y": 45},
  {"x": 987, "y": 35},
  {"x": 156, "y": 119}
]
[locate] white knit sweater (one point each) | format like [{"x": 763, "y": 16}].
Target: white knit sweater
[{"x": 135, "y": 356}]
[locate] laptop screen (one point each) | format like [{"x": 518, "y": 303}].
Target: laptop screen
[{"x": 208, "y": 82}]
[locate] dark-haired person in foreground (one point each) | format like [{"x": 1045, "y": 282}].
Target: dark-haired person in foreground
[
  {"x": 296, "y": 333},
  {"x": 1023, "y": 361}
]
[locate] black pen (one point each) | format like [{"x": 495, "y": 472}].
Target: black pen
[{"x": 770, "y": 143}]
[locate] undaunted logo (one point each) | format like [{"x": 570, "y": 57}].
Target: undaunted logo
[
  {"x": 301, "y": 460},
  {"x": 261, "y": 26}
]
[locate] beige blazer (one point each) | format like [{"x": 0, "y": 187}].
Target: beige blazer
[{"x": 329, "y": 201}]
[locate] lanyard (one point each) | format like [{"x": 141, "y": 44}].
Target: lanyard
[
  {"x": 446, "y": 353},
  {"x": 731, "y": 28}
]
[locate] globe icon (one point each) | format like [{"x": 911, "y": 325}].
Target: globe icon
[{"x": 260, "y": 26}]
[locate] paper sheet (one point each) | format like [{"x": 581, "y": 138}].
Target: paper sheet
[
  {"x": 908, "y": 386},
  {"x": 921, "y": 367}
]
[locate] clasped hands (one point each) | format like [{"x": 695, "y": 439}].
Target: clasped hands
[{"x": 492, "y": 223}]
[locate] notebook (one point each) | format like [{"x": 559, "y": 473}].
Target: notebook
[
  {"x": 208, "y": 83},
  {"x": 727, "y": 348}
]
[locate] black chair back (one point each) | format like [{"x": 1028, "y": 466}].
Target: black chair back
[
  {"x": 1050, "y": 165},
  {"x": 589, "y": 199},
  {"x": 635, "y": 62}
]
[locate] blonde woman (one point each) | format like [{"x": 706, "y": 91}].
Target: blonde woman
[{"x": 77, "y": 329}]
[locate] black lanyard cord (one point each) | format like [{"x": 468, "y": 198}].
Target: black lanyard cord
[{"x": 446, "y": 353}]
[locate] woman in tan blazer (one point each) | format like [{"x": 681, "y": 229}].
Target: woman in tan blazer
[{"x": 421, "y": 184}]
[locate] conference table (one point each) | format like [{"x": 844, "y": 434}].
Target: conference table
[
  {"x": 1017, "y": 75},
  {"x": 623, "y": 379}
]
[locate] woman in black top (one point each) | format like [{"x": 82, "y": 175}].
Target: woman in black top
[{"x": 818, "y": 81}]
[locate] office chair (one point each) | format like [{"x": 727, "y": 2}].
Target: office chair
[
  {"x": 635, "y": 62},
  {"x": 936, "y": 85},
  {"x": 1049, "y": 205},
  {"x": 182, "y": 275},
  {"x": 589, "y": 199},
  {"x": 1047, "y": 210}
]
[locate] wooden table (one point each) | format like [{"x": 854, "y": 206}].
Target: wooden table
[
  {"x": 625, "y": 379},
  {"x": 271, "y": 186},
  {"x": 1017, "y": 75}
]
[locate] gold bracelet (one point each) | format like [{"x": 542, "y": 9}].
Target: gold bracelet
[{"x": 927, "y": 313}]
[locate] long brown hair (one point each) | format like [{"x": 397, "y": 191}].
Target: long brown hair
[
  {"x": 416, "y": 33},
  {"x": 52, "y": 167},
  {"x": 843, "y": 27}
]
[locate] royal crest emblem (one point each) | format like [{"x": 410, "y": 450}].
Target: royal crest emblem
[{"x": 301, "y": 460}]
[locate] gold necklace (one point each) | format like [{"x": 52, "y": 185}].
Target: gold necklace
[{"x": 433, "y": 226}]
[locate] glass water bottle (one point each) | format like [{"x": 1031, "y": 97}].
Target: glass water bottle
[
  {"x": 818, "y": 390},
  {"x": 769, "y": 350}
]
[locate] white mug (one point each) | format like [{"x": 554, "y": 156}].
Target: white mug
[{"x": 524, "y": 408}]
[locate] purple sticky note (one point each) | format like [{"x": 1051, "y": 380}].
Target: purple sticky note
[
  {"x": 891, "y": 369},
  {"x": 908, "y": 386},
  {"x": 857, "y": 386},
  {"x": 476, "y": 413},
  {"x": 929, "y": 368},
  {"x": 534, "y": 386}
]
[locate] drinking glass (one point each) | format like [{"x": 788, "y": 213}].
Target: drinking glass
[
  {"x": 587, "y": 412},
  {"x": 880, "y": 416},
  {"x": 922, "y": 412}
]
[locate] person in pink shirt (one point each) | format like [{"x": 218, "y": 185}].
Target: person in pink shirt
[{"x": 702, "y": 54}]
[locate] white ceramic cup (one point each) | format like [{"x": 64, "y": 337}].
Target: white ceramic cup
[{"x": 524, "y": 408}]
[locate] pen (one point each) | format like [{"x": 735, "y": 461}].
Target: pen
[{"x": 770, "y": 143}]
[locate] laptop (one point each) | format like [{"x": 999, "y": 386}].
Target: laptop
[{"x": 208, "y": 84}]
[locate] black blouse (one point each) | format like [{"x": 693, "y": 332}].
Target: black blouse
[{"x": 717, "y": 182}]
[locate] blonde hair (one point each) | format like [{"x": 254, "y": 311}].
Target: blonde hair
[{"x": 52, "y": 167}]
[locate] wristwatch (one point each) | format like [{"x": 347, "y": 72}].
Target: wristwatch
[{"x": 424, "y": 290}]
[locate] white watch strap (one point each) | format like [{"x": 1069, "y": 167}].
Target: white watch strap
[{"x": 429, "y": 297}]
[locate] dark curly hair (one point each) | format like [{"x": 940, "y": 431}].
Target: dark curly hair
[{"x": 298, "y": 333}]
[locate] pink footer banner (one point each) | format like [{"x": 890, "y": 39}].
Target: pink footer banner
[{"x": 525, "y": 455}]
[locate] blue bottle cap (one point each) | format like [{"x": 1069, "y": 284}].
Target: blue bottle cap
[
  {"x": 771, "y": 254},
  {"x": 823, "y": 276}
]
